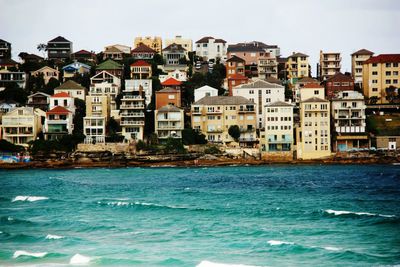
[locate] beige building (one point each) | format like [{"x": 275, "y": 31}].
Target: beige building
[
  {"x": 97, "y": 116},
  {"x": 154, "y": 43},
  {"x": 47, "y": 73},
  {"x": 72, "y": 88},
  {"x": 169, "y": 122},
  {"x": 379, "y": 73},
  {"x": 329, "y": 64},
  {"x": 267, "y": 67},
  {"x": 357, "y": 60},
  {"x": 22, "y": 125},
  {"x": 213, "y": 115},
  {"x": 297, "y": 67},
  {"x": 187, "y": 44}
]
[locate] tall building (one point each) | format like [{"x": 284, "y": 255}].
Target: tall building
[
  {"x": 104, "y": 83},
  {"x": 152, "y": 42},
  {"x": 59, "y": 48},
  {"x": 187, "y": 44},
  {"x": 380, "y": 74},
  {"x": 297, "y": 67},
  {"x": 169, "y": 122},
  {"x": 97, "y": 116},
  {"x": 329, "y": 64},
  {"x": 210, "y": 48},
  {"x": 357, "y": 60},
  {"x": 267, "y": 68},
  {"x": 5, "y": 49}
]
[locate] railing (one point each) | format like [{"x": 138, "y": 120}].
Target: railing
[
  {"x": 132, "y": 106},
  {"x": 132, "y": 97},
  {"x": 132, "y": 114},
  {"x": 215, "y": 130},
  {"x": 125, "y": 123},
  {"x": 170, "y": 127},
  {"x": 246, "y": 110}
]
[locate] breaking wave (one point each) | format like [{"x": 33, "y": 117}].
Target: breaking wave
[
  {"x": 28, "y": 198},
  {"x": 345, "y": 212}
]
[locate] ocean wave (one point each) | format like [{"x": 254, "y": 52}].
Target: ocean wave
[
  {"x": 332, "y": 248},
  {"x": 49, "y": 236},
  {"x": 20, "y": 253},
  {"x": 345, "y": 212},
  {"x": 215, "y": 264},
  {"x": 139, "y": 204},
  {"x": 28, "y": 198},
  {"x": 79, "y": 259},
  {"x": 279, "y": 243}
]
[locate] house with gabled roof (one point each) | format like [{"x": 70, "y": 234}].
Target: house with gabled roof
[
  {"x": 171, "y": 83},
  {"x": 74, "y": 68},
  {"x": 59, "y": 48},
  {"x": 141, "y": 69},
  {"x": 47, "y": 73},
  {"x": 210, "y": 48},
  {"x": 111, "y": 67},
  {"x": 143, "y": 52},
  {"x": 72, "y": 88},
  {"x": 39, "y": 100},
  {"x": 116, "y": 52},
  {"x": 84, "y": 55},
  {"x": 173, "y": 53}
]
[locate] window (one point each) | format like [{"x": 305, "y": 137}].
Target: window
[
  {"x": 79, "y": 92},
  {"x": 251, "y": 92},
  {"x": 374, "y": 81},
  {"x": 387, "y": 81},
  {"x": 374, "y": 73},
  {"x": 395, "y": 81},
  {"x": 374, "y": 64},
  {"x": 388, "y": 73},
  {"x": 374, "y": 89},
  {"x": 171, "y": 96},
  {"x": 395, "y": 65},
  {"x": 388, "y": 65},
  {"x": 395, "y": 73},
  {"x": 316, "y": 92}
]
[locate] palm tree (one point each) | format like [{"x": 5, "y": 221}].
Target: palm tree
[{"x": 42, "y": 48}]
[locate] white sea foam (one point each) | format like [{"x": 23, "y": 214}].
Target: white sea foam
[
  {"x": 332, "y": 248},
  {"x": 79, "y": 259},
  {"x": 278, "y": 243},
  {"x": 345, "y": 212},
  {"x": 49, "y": 236},
  {"x": 19, "y": 253},
  {"x": 28, "y": 198},
  {"x": 215, "y": 264}
]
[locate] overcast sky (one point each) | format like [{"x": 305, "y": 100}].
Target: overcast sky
[{"x": 306, "y": 26}]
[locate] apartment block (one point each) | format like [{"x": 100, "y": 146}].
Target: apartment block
[
  {"x": 357, "y": 60},
  {"x": 169, "y": 122},
  {"x": 104, "y": 83},
  {"x": 168, "y": 96},
  {"x": 154, "y": 43},
  {"x": 59, "y": 48},
  {"x": 297, "y": 67},
  {"x": 329, "y": 64},
  {"x": 97, "y": 116},
  {"x": 267, "y": 68}
]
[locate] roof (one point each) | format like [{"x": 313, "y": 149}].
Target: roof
[
  {"x": 141, "y": 63},
  {"x": 314, "y": 99},
  {"x": 76, "y": 65},
  {"x": 142, "y": 48},
  {"x": 169, "y": 108},
  {"x": 8, "y": 62},
  {"x": 206, "y": 87},
  {"x": 109, "y": 65},
  {"x": 298, "y": 55},
  {"x": 70, "y": 85},
  {"x": 112, "y": 49},
  {"x": 281, "y": 59},
  {"x": 273, "y": 80},
  {"x": 59, "y": 39},
  {"x": 171, "y": 82},
  {"x": 207, "y": 38},
  {"x": 39, "y": 93},
  {"x": 237, "y": 76},
  {"x": 279, "y": 104},
  {"x": 384, "y": 58},
  {"x": 83, "y": 52},
  {"x": 363, "y": 52},
  {"x": 245, "y": 47},
  {"x": 235, "y": 59},
  {"x": 62, "y": 94},
  {"x": 259, "y": 84},
  {"x": 307, "y": 80},
  {"x": 168, "y": 90},
  {"x": 174, "y": 48},
  {"x": 58, "y": 110},
  {"x": 312, "y": 85},
  {"x": 340, "y": 77},
  {"x": 44, "y": 68},
  {"x": 26, "y": 56},
  {"x": 3, "y": 41},
  {"x": 223, "y": 100}
]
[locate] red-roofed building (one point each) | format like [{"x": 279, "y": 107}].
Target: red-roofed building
[
  {"x": 168, "y": 96},
  {"x": 62, "y": 99},
  {"x": 172, "y": 83},
  {"x": 58, "y": 123},
  {"x": 143, "y": 52},
  {"x": 381, "y": 77},
  {"x": 141, "y": 69},
  {"x": 211, "y": 48},
  {"x": 235, "y": 80},
  {"x": 337, "y": 83},
  {"x": 62, "y": 94},
  {"x": 84, "y": 55}
]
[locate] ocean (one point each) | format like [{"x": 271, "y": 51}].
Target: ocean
[{"x": 280, "y": 215}]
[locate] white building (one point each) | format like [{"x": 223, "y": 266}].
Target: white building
[
  {"x": 7, "y": 77},
  {"x": 169, "y": 122},
  {"x": 105, "y": 83},
  {"x": 203, "y": 91},
  {"x": 210, "y": 48},
  {"x": 185, "y": 43},
  {"x": 261, "y": 93},
  {"x": 176, "y": 74},
  {"x": 145, "y": 84}
]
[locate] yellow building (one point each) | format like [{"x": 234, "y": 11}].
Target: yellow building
[
  {"x": 297, "y": 67},
  {"x": 154, "y": 43},
  {"x": 379, "y": 73},
  {"x": 97, "y": 115},
  {"x": 357, "y": 60},
  {"x": 213, "y": 115}
]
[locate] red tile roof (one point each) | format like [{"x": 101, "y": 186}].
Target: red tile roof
[
  {"x": 58, "y": 110},
  {"x": 205, "y": 40},
  {"x": 384, "y": 58},
  {"x": 142, "y": 48},
  {"x": 140, "y": 63},
  {"x": 171, "y": 82},
  {"x": 237, "y": 77},
  {"x": 312, "y": 85},
  {"x": 83, "y": 52},
  {"x": 340, "y": 77},
  {"x": 62, "y": 94}
]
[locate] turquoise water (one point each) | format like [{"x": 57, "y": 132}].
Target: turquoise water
[{"x": 258, "y": 216}]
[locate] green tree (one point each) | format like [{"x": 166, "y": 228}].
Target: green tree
[
  {"x": 392, "y": 94},
  {"x": 6, "y": 146},
  {"x": 173, "y": 145},
  {"x": 49, "y": 87},
  {"x": 234, "y": 132},
  {"x": 42, "y": 48},
  {"x": 80, "y": 113},
  {"x": 191, "y": 137},
  {"x": 13, "y": 92}
]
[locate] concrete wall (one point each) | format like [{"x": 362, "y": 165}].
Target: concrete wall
[{"x": 112, "y": 147}]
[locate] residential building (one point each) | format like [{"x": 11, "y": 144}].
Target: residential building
[
  {"x": 72, "y": 88},
  {"x": 97, "y": 116},
  {"x": 5, "y": 49},
  {"x": 22, "y": 125},
  {"x": 152, "y": 42},
  {"x": 172, "y": 83},
  {"x": 210, "y": 48},
  {"x": 329, "y": 64},
  {"x": 387, "y": 142},
  {"x": 116, "y": 52},
  {"x": 59, "y": 48},
  {"x": 348, "y": 113},
  {"x": 173, "y": 54},
  {"x": 267, "y": 68},
  {"x": 7, "y": 77},
  {"x": 30, "y": 58},
  {"x": 63, "y": 99},
  {"x": 168, "y": 96},
  {"x": 39, "y": 100},
  {"x": 47, "y": 73},
  {"x": 8, "y": 64},
  {"x": 204, "y": 91},
  {"x": 7, "y": 106},
  {"x": 357, "y": 60},
  {"x": 234, "y": 65},
  {"x": 141, "y": 70},
  {"x": 234, "y": 80},
  {"x": 59, "y": 122},
  {"x": 177, "y": 74},
  {"x": 214, "y": 115},
  {"x": 337, "y": 83},
  {"x": 104, "y": 83},
  {"x": 261, "y": 93},
  {"x": 379, "y": 73},
  {"x": 282, "y": 65},
  {"x": 132, "y": 112},
  {"x": 297, "y": 67},
  {"x": 111, "y": 67},
  {"x": 278, "y": 134},
  {"x": 76, "y": 67},
  {"x": 185, "y": 43},
  {"x": 300, "y": 84},
  {"x": 310, "y": 90},
  {"x": 84, "y": 55},
  {"x": 145, "y": 85},
  {"x": 143, "y": 52},
  {"x": 249, "y": 52},
  {"x": 174, "y": 70},
  {"x": 169, "y": 122}
]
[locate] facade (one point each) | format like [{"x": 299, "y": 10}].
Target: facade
[
  {"x": 329, "y": 64},
  {"x": 357, "y": 60},
  {"x": 116, "y": 52},
  {"x": 59, "y": 122},
  {"x": 297, "y": 67},
  {"x": 310, "y": 90},
  {"x": 75, "y": 68},
  {"x": 179, "y": 75},
  {"x": 267, "y": 68},
  {"x": 145, "y": 85},
  {"x": 169, "y": 122},
  {"x": 173, "y": 53},
  {"x": 140, "y": 70},
  {"x": 300, "y": 84},
  {"x": 210, "y": 48},
  {"x": 7, "y": 76},
  {"x": 59, "y": 48},
  {"x": 235, "y": 65},
  {"x": 387, "y": 142},
  {"x": 348, "y": 113},
  {"x": 168, "y": 96},
  {"x": 204, "y": 91},
  {"x": 47, "y": 73},
  {"x": 235, "y": 80},
  {"x": 97, "y": 116},
  {"x": 105, "y": 83},
  {"x": 249, "y": 52},
  {"x": 132, "y": 112},
  {"x": 337, "y": 83},
  {"x": 84, "y": 55},
  {"x": 5, "y": 49},
  {"x": 154, "y": 43},
  {"x": 260, "y": 93},
  {"x": 185, "y": 43},
  {"x": 72, "y": 88},
  {"x": 22, "y": 125},
  {"x": 379, "y": 73},
  {"x": 111, "y": 67},
  {"x": 143, "y": 52},
  {"x": 39, "y": 100}
]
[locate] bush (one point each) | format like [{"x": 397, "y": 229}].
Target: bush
[
  {"x": 140, "y": 145},
  {"x": 192, "y": 137},
  {"x": 234, "y": 131},
  {"x": 6, "y": 146},
  {"x": 212, "y": 150},
  {"x": 173, "y": 145}
]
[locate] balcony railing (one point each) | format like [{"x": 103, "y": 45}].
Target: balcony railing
[
  {"x": 132, "y": 106},
  {"x": 127, "y": 123},
  {"x": 132, "y": 114},
  {"x": 215, "y": 130}
]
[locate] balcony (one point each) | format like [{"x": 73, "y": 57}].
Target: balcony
[
  {"x": 247, "y": 140},
  {"x": 132, "y": 107},
  {"x": 128, "y": 123},
  {"x": 169, "y": 127},
  {"x": 132, "y": 114},
  {"x": 138, "y": 97},
  {"x": 245, "y": 110},
  {"x": 218, "y": 111},
  {"x": 215, "y": 130},
  {"x": 282, "y": 140},
  {"x": 246, "y": 130}
]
